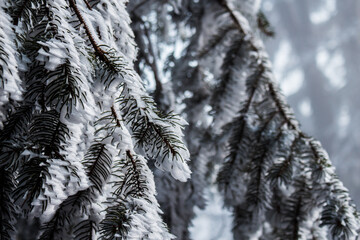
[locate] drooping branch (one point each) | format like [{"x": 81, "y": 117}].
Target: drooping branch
[
  {"x": 271, "y": 86},
  {"x": 133, "y": 163},
  {"x": 330, "y": 185},
  {"x": 257, "y": 75}
]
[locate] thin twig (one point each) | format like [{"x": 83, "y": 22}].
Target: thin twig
[
  {"x": 131, "y": 157},
  {"x": 98, "y": 51},
  {"x": 113, "y": 112},
  {"x": 87, "y": 5}
]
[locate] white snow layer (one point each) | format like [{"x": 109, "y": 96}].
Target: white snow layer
[{"x": 10, "y": 83}]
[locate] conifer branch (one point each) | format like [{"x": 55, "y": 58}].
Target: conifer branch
[
  {"x": 137, "y": 177},
  {"x": 114, "y": 114},
  {"x": 281, "y": 110},
  {"x": 87, "y": 4},
  {"x": 239, "y": 134},
  {"x": 282, "y": 172},
  {"x": 230, "y": 60},
  {"x": 264, "y": 25},
  {"x": 98, "y": 51},
  {"x": 271, "y": 86},
  {"x": 84, "y": 230},
  {"x": 257, "y": 76},
  {"x": 330, "y": 210},
  {"x": 20, "y": 12}
]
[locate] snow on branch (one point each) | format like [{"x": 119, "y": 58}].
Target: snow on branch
[
  {"x": 297, "y": 167},
  {"x": 133, "y": 210},
  {"x": 10, "y": 83}
]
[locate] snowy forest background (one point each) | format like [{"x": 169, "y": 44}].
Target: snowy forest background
[
  {"x": 163, "y": 119},
  {"x": 316, "y": 57}
]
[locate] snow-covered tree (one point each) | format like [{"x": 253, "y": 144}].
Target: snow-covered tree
[
  {"x": 321, "y": 37},
  {"x": 278, "y": 181},
  {"x": 77, "y": 126},
  {"x": 83, "y": 144}
]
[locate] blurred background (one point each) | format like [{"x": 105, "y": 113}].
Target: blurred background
[{"x": 316, "y": 59}]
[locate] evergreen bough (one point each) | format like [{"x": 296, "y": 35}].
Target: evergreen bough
[{"x": 80, "y": 138}]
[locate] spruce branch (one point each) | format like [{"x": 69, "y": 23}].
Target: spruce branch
[
  {"x": 264, "y": 24},
  {"x": 290, "y": 122},
  {"x": 114, "y": 114},
  {"x": 137, "y": 177},
  {"x": 261, "y": 66},
  {"x": 19, "y": 12},
  {"x": 282, "y": 172},
  {"x": 234, "y": 19},
  {"x": 158, "y": 134},
  {"x": 133, "y": 197},
  {"x": 7, "y": 206},
  {"x": 98, "y": 51},
  {"x": 116, "y": 222},
  {"x": 317, "y": 164},
  {"x": 238, "y": 135},
  {"x": 53, "y": 227},
  {"x": 87, "y": 4},
  {"x": 98, "y": 162},
  {"x": 46, "y": 136},
  {"x": 223, "y": 90},
  {"x": 132, "y": 184},
  {"x": 85, "y": 230}
]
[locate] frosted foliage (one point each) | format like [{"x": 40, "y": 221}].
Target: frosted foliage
[
  {"x": 146, "y": 225},
  {"x": 53, "y": 190},
  {"x": 138, "y": 195},
  {"x": 67, "y": 49},
  {"x": 134, "y": 96},
  {"x": 85, "y": 111},
  {"x": 58, "y": 52},
  {"x": 146, "y": 222},
  {"x": 10, "y": 83},
  {"x": 267, "y": 145},
  {"x": 137, "y": 106},
  {"x": 89, "y": 136},
  {"x": 228, "y": 105},
  {"x": 75, "y": 149},
  {"x": 55, "y": 55},
  {"x": 134, "y": 187},
  {"x": 114, "y": 27},
  {"x": 271, "y": 178}
]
